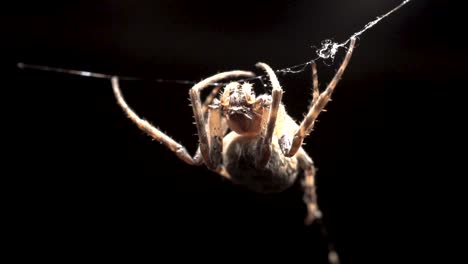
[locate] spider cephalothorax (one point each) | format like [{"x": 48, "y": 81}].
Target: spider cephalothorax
[
  {"x": 261, "y": 145},
  {"x": 243, "y": 112}
]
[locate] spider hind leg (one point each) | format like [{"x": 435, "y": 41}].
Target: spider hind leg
[{"x": 314, "y": 215}]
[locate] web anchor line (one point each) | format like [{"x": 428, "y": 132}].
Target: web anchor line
[{"x": 327, "y": 50}]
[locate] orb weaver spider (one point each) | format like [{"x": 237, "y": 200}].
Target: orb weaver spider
[{"x": 262, "y": 150}]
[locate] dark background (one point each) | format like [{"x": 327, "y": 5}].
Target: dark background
[{"x": 104, "y": 185}]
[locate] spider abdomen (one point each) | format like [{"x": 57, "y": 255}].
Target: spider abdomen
[{"x": 239, "y": 156}]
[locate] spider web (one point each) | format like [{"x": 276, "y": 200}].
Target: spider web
[{"x": 326, "y": 51}]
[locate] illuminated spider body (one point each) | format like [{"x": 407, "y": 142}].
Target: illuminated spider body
[
  {"x": 247, "y": 117},
  {"x": 239, "y": 160},
  {"x": 250, "y": 140}
]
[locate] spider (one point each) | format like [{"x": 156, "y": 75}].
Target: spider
[{"x": 249, "y": 139}]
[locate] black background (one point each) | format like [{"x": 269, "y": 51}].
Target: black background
[{"x": 107, "y": 186}]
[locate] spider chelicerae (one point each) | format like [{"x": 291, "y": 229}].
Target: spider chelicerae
[{"x": 249, "y": 139}]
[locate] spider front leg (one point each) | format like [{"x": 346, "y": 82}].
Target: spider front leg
[
  {"x": 291, "y": 146},
  {"x": 203, "y": 133},
  {"x": 264, "y": 148},
  {"x": 216, "y": 133},
  {"x": 209, "y": 99},
  {"x": 152, "y": 131}
]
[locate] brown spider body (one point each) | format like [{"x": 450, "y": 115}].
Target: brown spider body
[
  {"x": 247, "y": 117},
  {"x": 240, "y": 147},
  {"x": 263, "y": 149},
  {"x": 239, "y": 161}
]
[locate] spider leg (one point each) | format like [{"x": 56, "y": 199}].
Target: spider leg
[
  {"x": 200, "y": 121},
  {"x": 209, "y": 99},
  {"x": 264, "y": 149},
  {"x": 319, "y": 104},
  {"x": 152, "y": 131},
  {"x": 285, "y": 140},
  {"x": 310, "y": 198},
  {"x": 216, "y": 134},
  {"x": 205, "y": 109},
  {"x": 315, "y": 91}
]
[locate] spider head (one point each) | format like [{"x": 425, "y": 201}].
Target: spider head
[{"x": 238, "y": 107}]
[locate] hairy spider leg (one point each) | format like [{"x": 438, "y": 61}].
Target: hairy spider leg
[
  {"x": 152, "y": 131},
  {"x": 205, "y": 144},
  {"x": 155, "y": 133},
  {"x": 264, "y": 148},
  {"x": 288, "y": 148},
  {"x": 315, "y": 91},
  {"x": 310, "y": 198}
]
